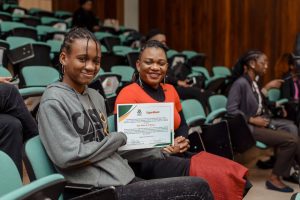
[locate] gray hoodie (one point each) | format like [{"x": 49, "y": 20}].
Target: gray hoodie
[{"x": 74, "y": 140}]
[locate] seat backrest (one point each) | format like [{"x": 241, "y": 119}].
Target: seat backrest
[
  {"x": 40, "y": 13},
  {"x": 55, "y": 45},
  {"x": 28, "y": 32},
  {"x": 44, "y": 29},
  {"x": 201, "y": 70},
  {"x": 196, "y": 60},
  {"x": 4, "y": 72},
  {"x": 62, "y": 14},
  {"x": 31, "y": 21},
  {"x": 217, "y": 101},
  {"x": 38, "y": 76},
  {"x": 8, "y": 26},
  {"x": 126, "y": 72},
  {"x": 37, "y": 162},
  {"x": 132, "y": 57},
  {"x": 17, "y": 41},
  {"x": 273, "y": 94},
  {"x": 49, "y": 20},
  {"x": 171, "y": 52},
  {"x": 103, "y": 49},
  {"x": 109, "y": 59},
  {"x": 111, "y": 41},
  {"x": 9, "y": 176},
  {"x": 101, "y": 35},
  {"x": 122, "y": 50},
  {"x": 221, "y": 71},
  {"x": 192, "y": 108},
  {"x": 189, "y": 54},
  {"x": 111, "y": 123},
  {"x": 4, "y": 16},
  {"x": 41, "y": 52}
]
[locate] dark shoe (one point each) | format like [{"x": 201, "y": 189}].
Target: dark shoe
[
  {"x": 270, "y": 186},
  {"x": 294, "y": 178},
  {"x": 268, "y": 164}
]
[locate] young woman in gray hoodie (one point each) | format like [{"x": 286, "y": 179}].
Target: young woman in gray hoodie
[{"x": 73, "y": 128}]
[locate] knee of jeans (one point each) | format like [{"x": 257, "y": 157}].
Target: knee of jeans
[
  {"x": 198, "y": 184},
  {"x": 13, "y": 124},
  {"x": 8, "y": 88}
]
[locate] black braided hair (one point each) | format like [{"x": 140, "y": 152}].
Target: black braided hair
[
  {"x": 74, "y": 34},
  {"x": 149, "y": 44},
  {"x": 238, "y": 68}
]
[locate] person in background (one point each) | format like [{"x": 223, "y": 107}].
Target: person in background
[
  {"x": 184, "y": 88},
  {"x": 84, "y": 17},
  {"x": 290, "y": 89},
  {"x": 16, "y": 123},
  {"x": 73, "y": 128},
  {"x": 247, "y": 98},
  {"x": 149, "y": 87}
]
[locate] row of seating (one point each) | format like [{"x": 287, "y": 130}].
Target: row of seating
[{"x": 46, "y": 182}]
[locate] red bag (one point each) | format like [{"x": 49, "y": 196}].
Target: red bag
[{"x": 225, "y": 177}]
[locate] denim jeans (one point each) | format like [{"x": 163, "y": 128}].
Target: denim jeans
[
  {"x": 16, "y": 123},
  {"x": 178, "y": 188}
]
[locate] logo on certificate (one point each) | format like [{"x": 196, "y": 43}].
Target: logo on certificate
[{"x": 139, "y": 112}]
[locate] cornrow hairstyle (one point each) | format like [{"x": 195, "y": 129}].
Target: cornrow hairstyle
[
  {"x": 74, "y": 34},
  {"x": 238, "y": 68},
  {"x": 149, "y": 44}
]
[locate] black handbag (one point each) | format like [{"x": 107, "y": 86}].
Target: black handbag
[
  {"x": 240, "y": 134},
  {"x": 213, "y": 138}
]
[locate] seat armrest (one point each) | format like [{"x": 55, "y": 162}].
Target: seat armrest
[{"x": 49, "y": 187}]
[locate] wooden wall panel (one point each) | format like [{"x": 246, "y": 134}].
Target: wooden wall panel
[
  {"x": 102, "y": 8},
  {"x": 224, "y": 30}
]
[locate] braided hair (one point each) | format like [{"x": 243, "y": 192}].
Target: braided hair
[
  {"x": 152, "y": 44},
  {"x": 74, "y": 34},
  {"x": 238, "y": 68}
]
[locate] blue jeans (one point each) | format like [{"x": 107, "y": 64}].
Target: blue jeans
[{"x": 178, "y": 188}]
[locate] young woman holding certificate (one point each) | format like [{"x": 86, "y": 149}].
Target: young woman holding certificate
[
  {"x": 73, "y": 128},
  {"x": 225, "y": 177}
]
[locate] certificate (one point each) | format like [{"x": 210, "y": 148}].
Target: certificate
[{"x": 146, "y": 125}]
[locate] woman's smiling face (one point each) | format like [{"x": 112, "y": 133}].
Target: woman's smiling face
[
  {"x": 81, "y": 64},
  {"x": 152, "y": 66}
]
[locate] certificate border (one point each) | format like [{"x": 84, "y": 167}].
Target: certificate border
[{"x": 145, "y": 146}]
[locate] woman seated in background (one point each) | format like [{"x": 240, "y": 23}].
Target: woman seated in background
[
  {"x": 149, "y": 87},
  {"x": 246, "y": 97},
  {"x": 73, "y": 129},
  {"x": 290, "y": 89}
]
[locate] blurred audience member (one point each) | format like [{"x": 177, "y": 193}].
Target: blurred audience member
[{"x": 84, "y": 17}]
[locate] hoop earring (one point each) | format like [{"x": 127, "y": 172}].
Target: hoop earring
[
  {"x": 164, "y": 80},
  {"x": 140, "y": 82},
  {"x": 62, "y": 69}
]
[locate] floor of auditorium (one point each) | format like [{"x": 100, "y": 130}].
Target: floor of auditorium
[{"x": 256, "y": 176}]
